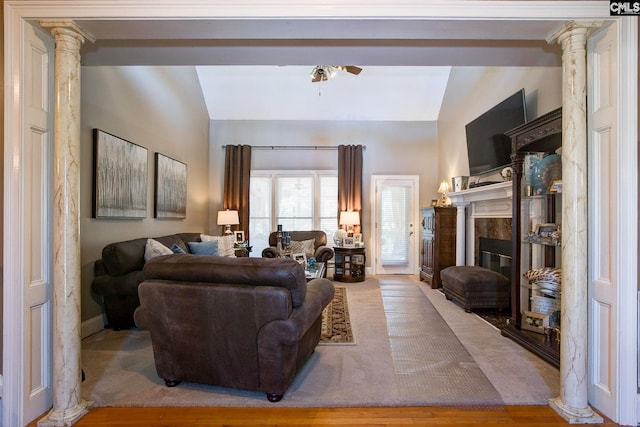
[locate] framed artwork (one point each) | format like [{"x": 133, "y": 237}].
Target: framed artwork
[
  {"x": 119, "y": 177},
  {"x": 357, "y": 237},
  {"x": 301, "y": 258},
  {"x": 170, "y": 188},
  {"x": 239, "y": 236}
]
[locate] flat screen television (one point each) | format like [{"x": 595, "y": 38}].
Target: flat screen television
[{"x": 489, "y": 149}]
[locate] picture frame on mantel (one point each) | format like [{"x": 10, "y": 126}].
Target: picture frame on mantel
[
  {"x": 170, "y": 188},
  {"x": 119, "y": 178}
]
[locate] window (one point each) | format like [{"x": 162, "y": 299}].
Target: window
[{"x": 299, "y": 200}]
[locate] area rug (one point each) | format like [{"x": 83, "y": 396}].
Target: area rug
[
  {"x": 120, "y": 370},
  {"x": 336, "y": 324}
]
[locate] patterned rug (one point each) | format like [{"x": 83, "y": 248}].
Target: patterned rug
[{"x": 336, "y": 326}]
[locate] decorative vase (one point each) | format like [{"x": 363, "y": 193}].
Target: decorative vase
[{"x": 339, "y": 236}]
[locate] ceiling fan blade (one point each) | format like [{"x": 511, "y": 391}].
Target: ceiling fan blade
[{"x": 350, "y": 69}]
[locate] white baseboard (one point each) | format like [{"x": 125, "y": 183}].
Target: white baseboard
[{"x": 91, "y": 326}]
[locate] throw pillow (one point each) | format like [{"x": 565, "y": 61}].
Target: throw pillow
[
  {"x": 225, "y": 244},
  {"x": 176, "y": 249},
  {"x": 306, "y": 247},
  {"x": 204, "y": 248},
  {"x": 153, "y": 248}
]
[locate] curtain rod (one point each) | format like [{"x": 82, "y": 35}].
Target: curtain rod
[{"x": 293, "y": 147}]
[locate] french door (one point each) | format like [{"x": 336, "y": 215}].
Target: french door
[{"x": 394, "y": 219}]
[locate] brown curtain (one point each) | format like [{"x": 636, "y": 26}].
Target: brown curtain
[
  {"x": 350, "y": 180},
  {"x": 237, "y": 174}
]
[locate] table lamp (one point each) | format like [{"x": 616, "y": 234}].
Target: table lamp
[
  {"x": 349, "y": 218},
  {"x": 228, "y": 218},
  {"x": 442, "y": 189}
]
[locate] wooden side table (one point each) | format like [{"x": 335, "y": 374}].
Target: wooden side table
[{"x": 349, "y": 264}]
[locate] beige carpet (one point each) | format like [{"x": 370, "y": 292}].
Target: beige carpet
[{"x": 120, "y": 371}]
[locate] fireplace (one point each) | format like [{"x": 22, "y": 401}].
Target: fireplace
[
  {"x": 495, "y": 229},
  {"x": 495, "y": 254},
  {"x": 481, "y": 212}
]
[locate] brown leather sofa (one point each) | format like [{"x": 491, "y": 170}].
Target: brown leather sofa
[
  {"x": 119, "y": 272},
  {"x": 247, "y": 323},
  {"x": 323, "y": 253}
]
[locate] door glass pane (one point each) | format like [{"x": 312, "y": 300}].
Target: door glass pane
[{"x": 394, "y": 225}]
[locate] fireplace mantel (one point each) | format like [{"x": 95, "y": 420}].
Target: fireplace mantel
[
  {"x": 501, "y": 190},
  {"x": 489, "y": 201}
]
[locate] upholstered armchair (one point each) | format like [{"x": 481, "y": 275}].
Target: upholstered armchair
[
  {"x": 246, "y": 323},
  {"x": 318, "y": 249}
]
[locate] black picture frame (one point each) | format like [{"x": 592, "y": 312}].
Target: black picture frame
[
  {"x": 170, "y": 189},
  {"x": 119, "y": 177}
]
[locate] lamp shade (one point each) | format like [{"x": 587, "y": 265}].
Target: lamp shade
[
  {"x": 228, "y": 217},
  {"x": 349, "y": 218},
  {"x": 444, "y": 187}
]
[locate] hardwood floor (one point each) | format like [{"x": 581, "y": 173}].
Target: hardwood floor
[{"x": 378, "y": 416}]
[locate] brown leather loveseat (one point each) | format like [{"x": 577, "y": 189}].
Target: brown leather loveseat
[
  {"x": 246, "y": 323},
  {"x": 119, "y": 272}
]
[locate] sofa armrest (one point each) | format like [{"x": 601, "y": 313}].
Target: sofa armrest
[
  {"x": 324, "y": 253},
  {"x": 283, "y": 343},
  {"x": 289, "y": 331},
  {"x": 270, "y": 252}
]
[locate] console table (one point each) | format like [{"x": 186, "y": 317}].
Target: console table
[{"x": 349, "y": 264}]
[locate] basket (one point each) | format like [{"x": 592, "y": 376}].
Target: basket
[{"x": 544, "y": 305}]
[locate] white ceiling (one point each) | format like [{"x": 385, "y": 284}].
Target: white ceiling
[
  {"x": 259, "y": 69},
  {"x": 286, "y": 93}
]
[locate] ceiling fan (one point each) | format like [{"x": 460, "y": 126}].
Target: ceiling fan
[{"x": 324, "y": 72}]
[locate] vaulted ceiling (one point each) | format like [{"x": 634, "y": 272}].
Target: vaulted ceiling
[{"x": 259, "y": 69}]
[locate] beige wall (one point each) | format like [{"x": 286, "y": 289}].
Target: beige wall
[
  {"x": 162, "y": 109},
  {"x": 408, "y": 148},
  {"x": 473, "y": 90}
]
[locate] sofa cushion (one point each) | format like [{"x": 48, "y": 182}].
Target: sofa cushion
[
  {"x": 204, "y": 248},
  {"x": 306, "y": 247},
  {"x": 154, "y": 248},
  {"x": 225, "y": 244},
  {"x": 176, "y": 249},
  {"x": 279, "y": 272}
]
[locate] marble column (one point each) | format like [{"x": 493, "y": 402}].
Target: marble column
[
  {"x": 572, "y": 404},
  {"x": 461, "y": 227},
  {"x": 68, "y": 406}
]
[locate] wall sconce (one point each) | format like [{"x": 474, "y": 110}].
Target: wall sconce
[
  {"x": 228, "y": 218},
  {"x": 442, "y": 189},
  {"x": 349, "y": 218}
]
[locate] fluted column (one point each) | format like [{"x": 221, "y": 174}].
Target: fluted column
[
  {"x": 572, "y": 404},
  {"x": 68, "y": 407}
]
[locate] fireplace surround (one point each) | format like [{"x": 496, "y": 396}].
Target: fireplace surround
[{"x": 481, "y": 212}]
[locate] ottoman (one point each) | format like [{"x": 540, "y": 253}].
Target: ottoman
[{"x": 475, "y": 287}]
